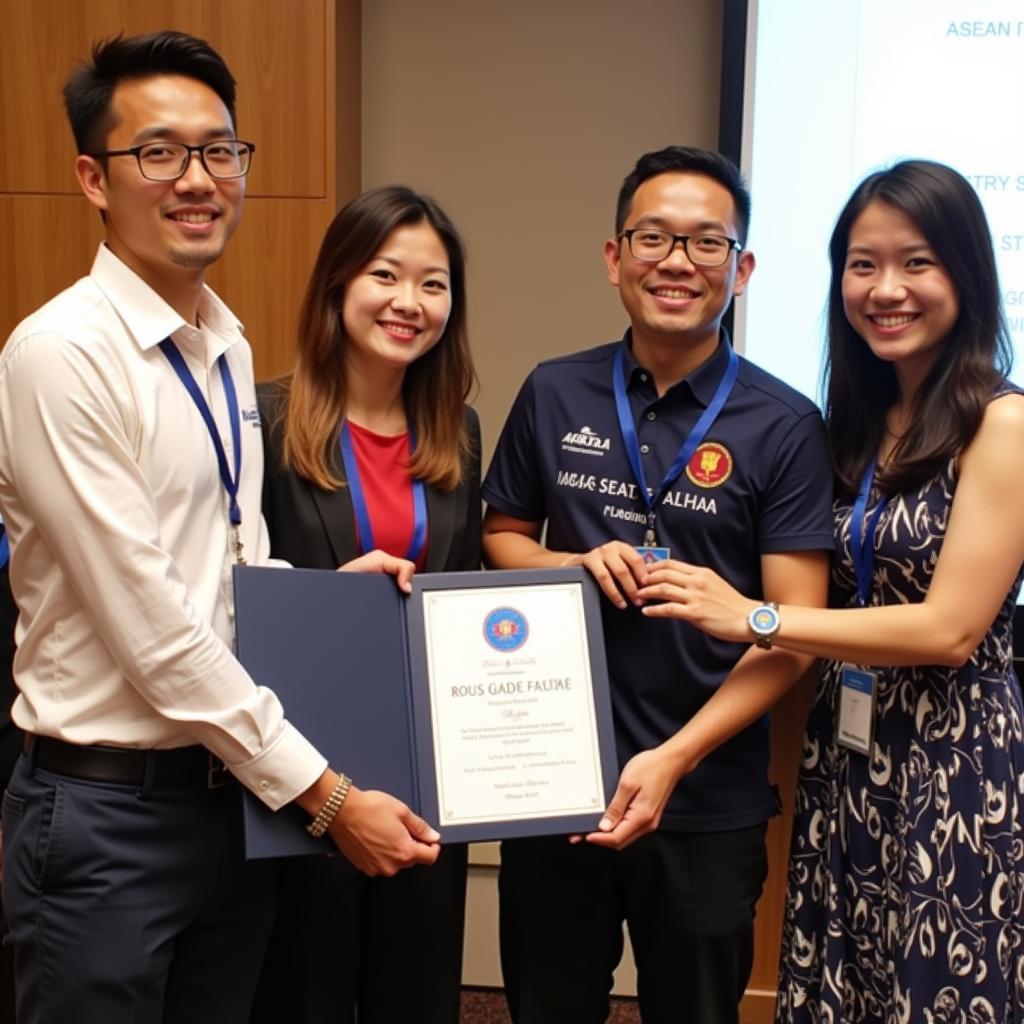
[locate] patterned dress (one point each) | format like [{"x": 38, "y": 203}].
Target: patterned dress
[{"x": 906, "y": 883}]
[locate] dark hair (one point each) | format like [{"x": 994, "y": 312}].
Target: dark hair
[
  {"x": 687, "y": 160},
  {"x": 90, "y": 88},
  {"x": 436, "y": 385},
  {"x": 951, "y": 401}
]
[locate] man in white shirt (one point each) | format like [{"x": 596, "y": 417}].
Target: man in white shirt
[{"x": 127, "y": 504}]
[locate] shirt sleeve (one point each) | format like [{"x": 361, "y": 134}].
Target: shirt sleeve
[
  {"x": 513, "y": 484},
  {"x": 69, "y": 447},
  {"x": 796, "y": 508}
]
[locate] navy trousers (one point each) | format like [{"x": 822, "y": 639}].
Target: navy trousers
[
  {"x": 126, "y": 905},
  {"x": 350, "y": 948},
  {"x": 687, "y": 898}
]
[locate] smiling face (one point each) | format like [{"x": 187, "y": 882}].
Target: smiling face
[
  {"x": 896, "y": 294},
  {"x": 165, "y": 231},
  {"x": 675, "y": 301},
  {"x": 396, "y": 307}
]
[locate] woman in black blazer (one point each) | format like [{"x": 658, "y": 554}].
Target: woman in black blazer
[{"x": 369, "y": 443}]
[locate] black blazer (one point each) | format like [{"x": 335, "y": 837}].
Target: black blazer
[
  {"x": 10, "y": 736},
  {"x": 315, "y": 529}
]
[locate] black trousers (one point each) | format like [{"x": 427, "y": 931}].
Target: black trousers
[
  {"x": 130, "y": 907},
  {"x": 687, "y": 899},
  {"x": 347, "y": 947}
]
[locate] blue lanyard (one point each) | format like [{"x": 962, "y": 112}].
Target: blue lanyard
[
  {"x": 5, "y": 546},
  {"x": 230, "y": 483},
  {"x": 690, "y": 445},
  {"x": 863, "y": 544},
  {"x": 363, "y": 524}
]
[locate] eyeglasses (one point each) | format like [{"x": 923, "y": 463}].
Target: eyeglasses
[
  {"x": 168, "y": 161},
  {"x": 649, "y": 245}
]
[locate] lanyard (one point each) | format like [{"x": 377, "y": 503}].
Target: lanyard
[
  {"x": 864, "y": 544},
  {"x": 230, "y": 483},
  {"x": 5, "y": 546},
  {"x": 363, "y": 524},
  {"x": 690, "y": 445}
]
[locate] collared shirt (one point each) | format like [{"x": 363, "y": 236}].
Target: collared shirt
[
  {"x": 759, "y": 483},
  {"x": 121, "y": 553}
]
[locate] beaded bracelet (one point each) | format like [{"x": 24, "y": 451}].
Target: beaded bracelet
[{"x": 322, "y": 822}]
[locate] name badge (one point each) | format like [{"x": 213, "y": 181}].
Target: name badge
[
  {"x": 856, "y": 709},
  {"x": 651, "y": 553}
]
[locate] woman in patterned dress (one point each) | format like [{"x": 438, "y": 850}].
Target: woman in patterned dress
[{"x": 905, "y": 902}]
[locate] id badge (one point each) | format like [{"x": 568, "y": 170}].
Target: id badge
[
  {"x": 651, "y": 553},
  {"x": 855, "y": 726}
]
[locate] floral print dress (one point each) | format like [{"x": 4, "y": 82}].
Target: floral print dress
[{"x": 905, "y": 900}]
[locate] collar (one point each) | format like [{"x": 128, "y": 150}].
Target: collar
[
  {"x": 149, "y": 319},
  {"x": 701, "y": 383}
]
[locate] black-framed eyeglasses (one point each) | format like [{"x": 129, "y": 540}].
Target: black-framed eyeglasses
[
  {"x": 168, "y": 161},
  {"x": 652, "y": 245}
]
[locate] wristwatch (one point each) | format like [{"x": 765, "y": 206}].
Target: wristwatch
[{"x": 764, "y": 622}]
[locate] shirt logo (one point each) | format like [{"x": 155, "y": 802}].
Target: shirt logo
[
  {"x": 710, "y": 465},
  {"x": 251, "y": 416},
  {"x": 586, "y": 442},
  {"x": 506, "y": 629}
]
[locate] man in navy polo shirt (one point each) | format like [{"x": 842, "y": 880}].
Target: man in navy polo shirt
[{"x": 664, "y": 444}]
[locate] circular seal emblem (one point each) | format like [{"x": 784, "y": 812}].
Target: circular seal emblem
[
  {"x": 506, "y": 629},
  {"x": 710, "y": 465}
]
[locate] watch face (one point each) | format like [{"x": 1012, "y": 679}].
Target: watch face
[{"x": 764, "y": 619}]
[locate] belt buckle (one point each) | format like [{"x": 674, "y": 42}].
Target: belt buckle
[{"x": 217, "y": 774}]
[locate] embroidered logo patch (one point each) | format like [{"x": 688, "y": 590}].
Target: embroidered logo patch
[
  {"x": 710, "y": 465},
  {"x": 506, "y": 629},
  {"x": 585, "y": 442}
]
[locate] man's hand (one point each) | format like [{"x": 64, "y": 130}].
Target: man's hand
[
  {"x": 380, "y": 835},
  {"x": 645, "y": 785},
  {"x": 380, "y": 561},
  {"x": 618, "y": 569}
]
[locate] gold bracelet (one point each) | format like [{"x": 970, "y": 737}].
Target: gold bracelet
[{"x": 322, "y": 822}]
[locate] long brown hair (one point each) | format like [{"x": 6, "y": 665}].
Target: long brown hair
[
  {"x": 436, "y": 385},
  {"x": 973, "y": 358}
]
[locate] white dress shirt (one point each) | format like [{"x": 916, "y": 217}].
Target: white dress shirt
[{"x": 119, "y": 530}]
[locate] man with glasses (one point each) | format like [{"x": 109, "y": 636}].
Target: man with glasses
[
  {"x": 662, "y": 445},
  {"x": 130, "y": 479}
]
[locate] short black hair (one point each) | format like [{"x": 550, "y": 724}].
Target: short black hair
[
  {"x": 687, "y": 160},
  {"x": 90, "y": 87}
]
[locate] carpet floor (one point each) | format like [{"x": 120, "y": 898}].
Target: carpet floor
[{"x": 488, "y": 1006}]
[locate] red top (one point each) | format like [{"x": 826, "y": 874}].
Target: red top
[{"x": 387, "y": 488}]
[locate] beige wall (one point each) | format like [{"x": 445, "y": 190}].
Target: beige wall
[{"x": 522, "y": 119}]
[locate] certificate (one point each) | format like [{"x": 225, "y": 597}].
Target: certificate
[
  {"x": 514, "y": 718},
  {"x": 481, "y": 699}
]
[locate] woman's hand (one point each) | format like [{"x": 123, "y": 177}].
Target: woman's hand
[
  {"x": 699, "y": 596},
  {"x": 380, "y": 561}
]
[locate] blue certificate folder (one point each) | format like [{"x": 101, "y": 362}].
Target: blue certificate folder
[{"x": 346, "y": 655}]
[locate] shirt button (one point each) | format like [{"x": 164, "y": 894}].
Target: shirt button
[
  {"x": 643, "y": 377},
  {"x": 645, "y": 448},
  {"x": 264, "y": 784},
  {"x": 652, "y": 415}
]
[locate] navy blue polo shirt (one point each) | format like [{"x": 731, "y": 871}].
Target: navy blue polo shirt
[{"x": 759, "y": 483}]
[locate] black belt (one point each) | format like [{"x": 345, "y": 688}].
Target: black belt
[{"x": 180, "y": 766}]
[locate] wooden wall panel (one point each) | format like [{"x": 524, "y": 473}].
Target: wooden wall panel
[
  {"x": 282, "y": 55},
  {"x": 264, "y": 274},
  {"x": 262, "y": 277},
  {"x": 48, "y": 243},
  {"x": 788, "y": 719},
  {"x": 289, "y": 98}
]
